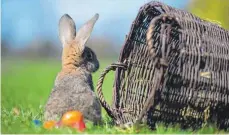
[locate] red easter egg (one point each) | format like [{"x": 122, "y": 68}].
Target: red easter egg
[
  {"x": 58, "y": 124},
  {"x": 80, "y": 126}
]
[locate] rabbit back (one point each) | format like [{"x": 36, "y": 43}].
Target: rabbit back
[{"x": 73, "y": 92}]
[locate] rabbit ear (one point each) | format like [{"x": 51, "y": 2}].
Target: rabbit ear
[
  {"x": 67, "y": 29},
  {"x": 85, "y": 31}
]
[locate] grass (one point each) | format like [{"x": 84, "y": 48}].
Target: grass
[{"x": 25, "y": 89}]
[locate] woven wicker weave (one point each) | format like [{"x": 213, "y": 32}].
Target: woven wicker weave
[{"x": 173, "y": 67}]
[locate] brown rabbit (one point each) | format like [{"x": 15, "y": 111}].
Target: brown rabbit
[{"x": 73, "y": 89}]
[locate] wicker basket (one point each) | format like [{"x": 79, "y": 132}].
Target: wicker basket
[{"x": 173, "y": 68}]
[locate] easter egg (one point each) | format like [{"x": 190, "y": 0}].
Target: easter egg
[
  {"x": 80, "y": 126},
  {"x": 58, "y": 124},
  {"x": 37, "y": 122},
  {"x": 49, "y": 124},
  {"x": 71, "y": 117}
]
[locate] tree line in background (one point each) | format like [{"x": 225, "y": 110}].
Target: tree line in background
[
  {"x": 216, "y": 11},
  {"x": 43, "y": 48}
]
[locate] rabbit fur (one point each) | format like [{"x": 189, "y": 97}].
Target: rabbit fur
[{"x": 73, "y": 88}]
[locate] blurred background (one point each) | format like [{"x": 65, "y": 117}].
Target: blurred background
[
  {"x": 31, "y": 50},
  {"x": 30, "y": 27}
]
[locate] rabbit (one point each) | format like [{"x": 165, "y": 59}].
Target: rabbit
[{"x": 73, "y": 87}]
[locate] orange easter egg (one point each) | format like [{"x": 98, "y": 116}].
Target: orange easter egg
[
  {"x": 49, "y": 124},
  {"x": 71, "y": 117}
]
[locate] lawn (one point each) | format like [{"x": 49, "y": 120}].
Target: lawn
[{"x": 25, "y": 88}]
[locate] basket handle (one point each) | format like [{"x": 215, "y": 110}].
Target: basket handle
[
  {"x": 103, "y": 102},
  {"x": 150, "y": 100}
]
